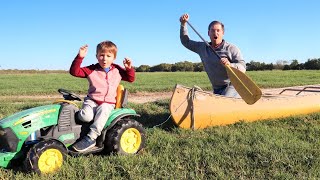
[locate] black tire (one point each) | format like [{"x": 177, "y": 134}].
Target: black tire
[
  {"x": 126, "y": 137},
  {"x": 45, "y": 157}
]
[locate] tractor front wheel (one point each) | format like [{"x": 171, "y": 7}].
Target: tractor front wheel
[
  {"x": 126, "y": 137},
  {"x": 45, "y": 157}
]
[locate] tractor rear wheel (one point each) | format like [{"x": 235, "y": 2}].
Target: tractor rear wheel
[
  {"x": 126, "y": 137},
  {"x": 45, "y": 157}
]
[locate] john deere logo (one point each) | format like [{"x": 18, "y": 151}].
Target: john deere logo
[{"x": 32, "y": 116}]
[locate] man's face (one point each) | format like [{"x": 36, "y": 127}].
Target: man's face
[
  {"x": 216, "y": 33},
  {"x": 105, "y": 59}
]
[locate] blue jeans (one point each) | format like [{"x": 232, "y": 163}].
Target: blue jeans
[{"x": 227, "y": 90}]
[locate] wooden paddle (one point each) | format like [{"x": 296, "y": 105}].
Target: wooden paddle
[{"x": 246, "y": 88}]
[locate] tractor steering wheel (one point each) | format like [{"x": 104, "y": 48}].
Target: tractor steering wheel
[{"x": 68, "y": 95}]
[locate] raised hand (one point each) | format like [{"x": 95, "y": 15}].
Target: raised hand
[
  {"x": 83, "y": 51},
  {"x": 127, "y": 63},
  {"x": 184, "y": 18}
]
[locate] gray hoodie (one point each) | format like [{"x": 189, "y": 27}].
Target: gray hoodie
[{"x": 215, "y": 70}]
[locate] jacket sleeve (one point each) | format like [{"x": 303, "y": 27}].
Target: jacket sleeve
[
  {"x": 237, "y": 60},
  {"x": 77, "y": 71},
  {"x": 186, "y": 42},
  {"x": 126, "y": 74}
]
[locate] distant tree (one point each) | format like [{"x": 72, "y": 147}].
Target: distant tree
[
  {"x": 280, "y": 64},
  {"x": 163, "y": 67},
  {"x": 182, "y": 66},
  {"x": 143, "y": 68},
  {"x": 301, "y": 66},
  {"x": 312, "y": 64},
  {"x": 286, "y": 67},
  {"x": 253, "y": 66},
  {"x": 198, "y": 67},
  {"x": 268, "y": 66},
  {"x": 257, "y": 66},
  {"x": 294, "y": 64}
]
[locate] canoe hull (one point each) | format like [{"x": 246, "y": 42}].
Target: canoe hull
[{"x": 199, "y": 109}]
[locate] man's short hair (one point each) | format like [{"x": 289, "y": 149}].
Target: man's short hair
[{"x": 215, "y": 22}]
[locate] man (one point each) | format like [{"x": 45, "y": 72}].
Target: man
[{"x": 214, "y": 66}]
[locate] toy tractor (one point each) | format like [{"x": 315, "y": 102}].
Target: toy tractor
[{"x": 42, "y": 136}]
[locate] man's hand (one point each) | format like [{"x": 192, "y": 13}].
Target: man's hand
[
  {"x": 127, "y": 63},
  {"x": 184, "y": 18},
  {"x": 225, "y": 61},
  {"x": 83, "y": 51}
]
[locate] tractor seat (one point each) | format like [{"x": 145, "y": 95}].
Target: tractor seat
[{"x": 122, "y": 97}]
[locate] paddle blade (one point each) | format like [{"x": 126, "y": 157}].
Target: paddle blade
[{"x": 246, "y": 88}]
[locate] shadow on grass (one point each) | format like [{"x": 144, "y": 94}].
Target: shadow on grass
[
  {"x": 155, "y": 114},
  {"x": 162, "y": 121}
]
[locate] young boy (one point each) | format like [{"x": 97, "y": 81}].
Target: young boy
[{"x": 104, "y": 78}]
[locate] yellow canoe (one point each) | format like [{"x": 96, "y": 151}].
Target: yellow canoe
[{"x": 197, "y": 109}]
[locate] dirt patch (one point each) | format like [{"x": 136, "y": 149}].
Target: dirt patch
[{"x": 144, "y": 97}]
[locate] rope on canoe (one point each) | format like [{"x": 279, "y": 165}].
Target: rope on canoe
[{"x": 190, "y": 97}]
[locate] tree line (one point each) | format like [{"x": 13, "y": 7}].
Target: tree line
[{"x": 310, "y": 64}]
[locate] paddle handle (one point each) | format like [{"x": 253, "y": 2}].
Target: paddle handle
[{"x": 204, "y": 40}]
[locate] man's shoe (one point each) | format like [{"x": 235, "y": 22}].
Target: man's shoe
[{"x": 84, "y": 144}]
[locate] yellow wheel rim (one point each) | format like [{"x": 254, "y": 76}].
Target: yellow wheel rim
[
  {"x": 130, "y": 140},
  {"x": 50, "y": 161}
]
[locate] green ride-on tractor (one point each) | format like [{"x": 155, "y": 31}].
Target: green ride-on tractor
[{"x": 43, "y": 136}]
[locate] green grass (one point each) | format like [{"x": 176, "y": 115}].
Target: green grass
[
  {"x": 276, "y": 149},
  {"x": 276, "y": 79},
  {"x": 12, "y": 84},
  {"x": 287, "y": 148}
]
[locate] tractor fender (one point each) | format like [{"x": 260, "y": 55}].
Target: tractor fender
[
  {"x": 118, "y": 118},
  {"x": 119, "y": 113},
  {"x": 113, "y": 119},
  {"x": 57, "y": 140}
]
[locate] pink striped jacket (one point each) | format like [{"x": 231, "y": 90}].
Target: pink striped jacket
[{"x": 102, "y": 85}]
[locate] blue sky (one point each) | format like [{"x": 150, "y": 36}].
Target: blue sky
[{"x": 48, "y": 34}]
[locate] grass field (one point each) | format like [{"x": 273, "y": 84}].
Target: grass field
[
  {"x": 46, "y": 82},
  {"x": 286, "y": 148}
]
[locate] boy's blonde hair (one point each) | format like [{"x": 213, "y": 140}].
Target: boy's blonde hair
[{"x": 107, "y": 46}]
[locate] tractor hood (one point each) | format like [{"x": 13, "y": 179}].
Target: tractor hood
[
  {"x": 15, "y": 129},
  {"x": 30, "y": 114}
]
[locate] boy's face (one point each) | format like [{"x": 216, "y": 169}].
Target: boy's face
[{"x": 105, "y": 59}]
